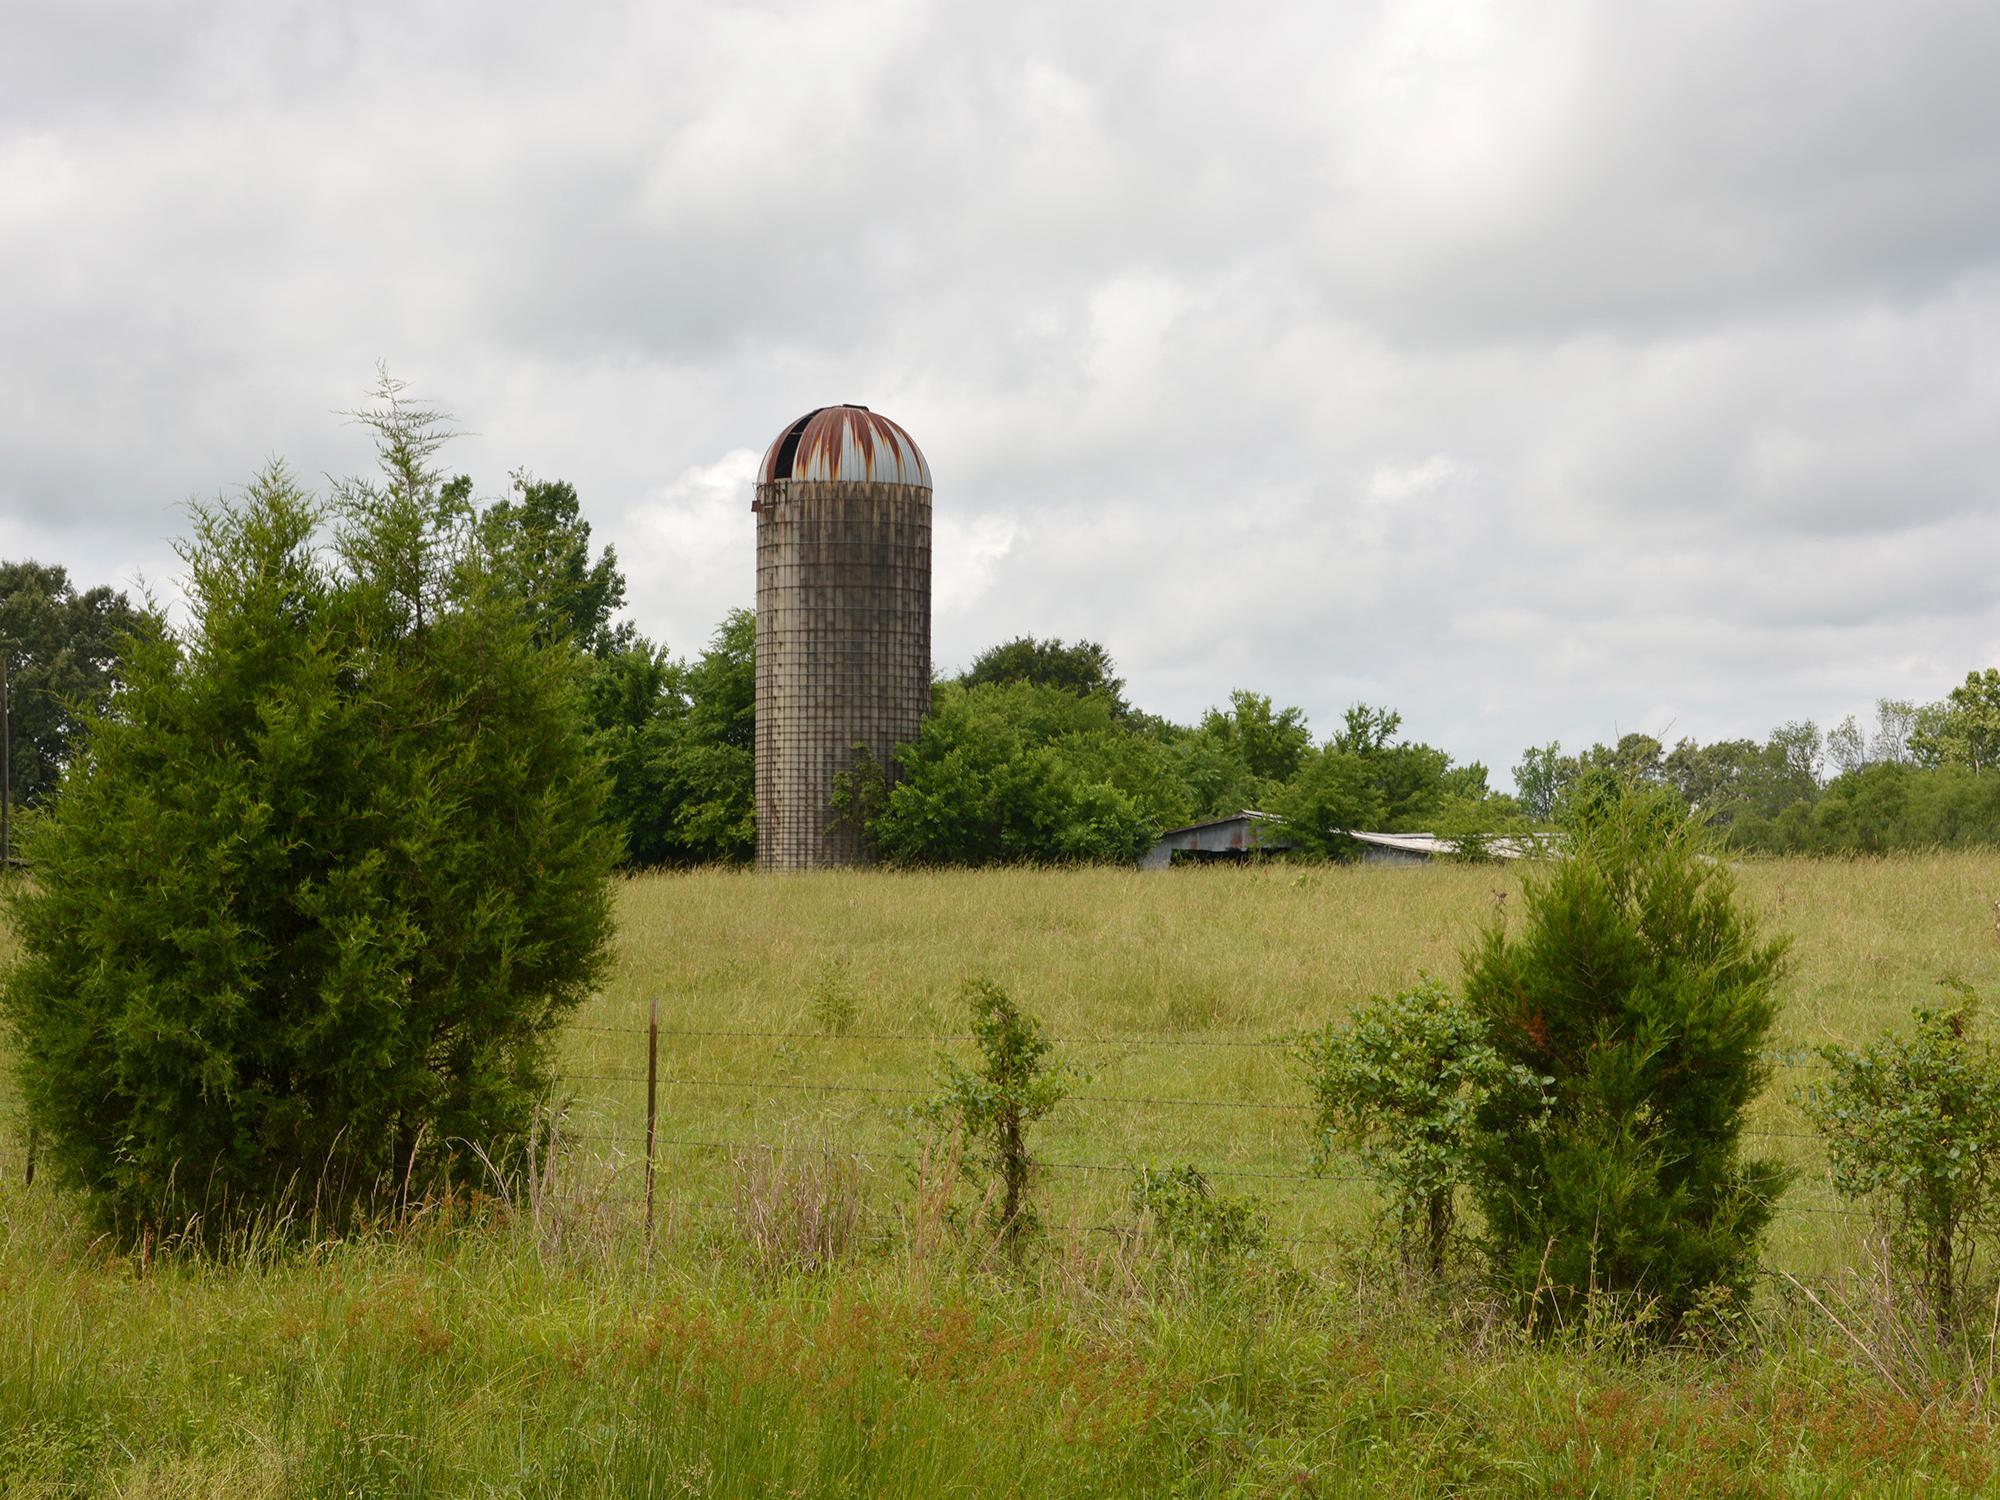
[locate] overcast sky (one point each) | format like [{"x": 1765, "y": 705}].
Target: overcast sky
[{"x": 1542, "y": 370}]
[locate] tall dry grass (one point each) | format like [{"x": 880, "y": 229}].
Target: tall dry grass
[{"x": 797, "y": 1205}]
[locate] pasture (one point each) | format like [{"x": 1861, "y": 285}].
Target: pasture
[
  {"x": 540, "y": 1346},
  {"x": 1174, "y": 996}
]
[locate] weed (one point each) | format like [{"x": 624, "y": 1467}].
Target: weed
[
  {"x": 1398, "y": 1084},
  {"x": 1015, "y": 1086},
  {"x": 798, "y": 1206},
  {"x": 835, "y": 1003},
  {"x": 1179, "y": 1206},
  {"x": 1912, "y": 1126}
]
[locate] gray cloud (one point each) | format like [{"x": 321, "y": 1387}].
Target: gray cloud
[{"x": 1545, "y": 370}]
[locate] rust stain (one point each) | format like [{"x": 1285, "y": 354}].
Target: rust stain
[{"x": 848, "y": 443}]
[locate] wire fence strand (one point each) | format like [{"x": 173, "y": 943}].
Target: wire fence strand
[
  {"x": 1788, "y": 1057},
  {"x": 755, "y": 1086}
]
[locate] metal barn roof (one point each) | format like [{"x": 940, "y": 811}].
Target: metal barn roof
[
  {"x": 1431, "y": 845},
  {"x": 1233, "y": 835}
]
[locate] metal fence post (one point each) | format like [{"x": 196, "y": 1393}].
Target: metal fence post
[
  {"x": 6, "y": 764},
  {"x": 652, "y": 1097}
]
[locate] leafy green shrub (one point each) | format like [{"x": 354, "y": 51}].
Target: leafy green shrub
[
  {"x": 1912, "y": 1125},
  {"x": 1016, "y": 1085},
  {"x": 312, "y": 902},
  {"x": 1185, "y": 1211},
  {"x": 1630, "y": 1014},
  {"x": 1398, "y": 1083}
]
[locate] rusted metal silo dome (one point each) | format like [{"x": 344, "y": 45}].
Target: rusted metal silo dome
[{"x": 843, "y": 622}]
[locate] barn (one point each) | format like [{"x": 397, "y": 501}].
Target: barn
[{"x": 1233, "y": 838}]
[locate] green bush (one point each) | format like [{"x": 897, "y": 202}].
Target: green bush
[
  {"x": 1187, "y": 1213},
  {"x": 314, "y": 898},
  {"x": 1398, "y": 1083},
  {"x": 1912, "y": 1126},
  {"x": 1016, "y": 1085},
  {"x": 1630, "y": 1014}
]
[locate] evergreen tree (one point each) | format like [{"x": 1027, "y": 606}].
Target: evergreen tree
[
  {"x": 1631, "y": 1014},
  {"x": 314, "y": 901}
]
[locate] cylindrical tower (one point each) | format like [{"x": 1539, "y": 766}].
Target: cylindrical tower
[{"x": 843, "y": 623}]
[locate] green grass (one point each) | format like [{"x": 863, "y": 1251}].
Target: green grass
[
  {"x": 543, "y": 1348},
  {"x": 1156, "y": 981}
]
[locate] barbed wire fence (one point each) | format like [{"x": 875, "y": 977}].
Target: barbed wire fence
[
  {"x": 662, "y": 1068},
  {"x": 615, "y": 1115}
]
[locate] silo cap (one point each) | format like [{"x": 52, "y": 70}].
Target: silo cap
[{"x": 845, "y": 443}]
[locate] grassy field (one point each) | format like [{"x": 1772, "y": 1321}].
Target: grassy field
[
  {"x": 1179, "y": 989},
  {"x": 541, "y": 1347}
]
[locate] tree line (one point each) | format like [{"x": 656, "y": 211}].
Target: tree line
[
  {"x": 1920, "y": 777},
  {"x": 1033, "y": 753}
]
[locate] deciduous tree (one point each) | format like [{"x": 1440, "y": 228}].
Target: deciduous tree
[
  {"x": 64, "y": 652},
  {"x": 1084, "y": 667},
  {"x": 1967, "y": 732}
]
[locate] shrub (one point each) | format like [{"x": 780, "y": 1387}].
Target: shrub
[
  {"x": 1630, "y": 1014},
  {"x": 992, "y": 1108},
  {"x": 1912, "y": 1124},
  {"x": 1398, "y": 1082},
  {"x": 1185, "y": 1211},
  {"x": 314, "y": 898}
]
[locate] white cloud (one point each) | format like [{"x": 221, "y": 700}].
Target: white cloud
[
  {"x": 690, "y": 550},
  {"x": 965, "y": 559},
  {"x": 1541, "y": 369}
]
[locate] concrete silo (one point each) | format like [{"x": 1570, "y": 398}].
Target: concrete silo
[{"x": 843, "y": 622}]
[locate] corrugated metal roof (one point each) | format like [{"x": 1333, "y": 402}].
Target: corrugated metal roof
[
  {"x": 845, "y": 443},
  {"x": 1245, "y": 816},
  {"x": 1409, "y": 843},
  {"x": 1426, "y": 844},
  {"x": 1431, "y": 844}
]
